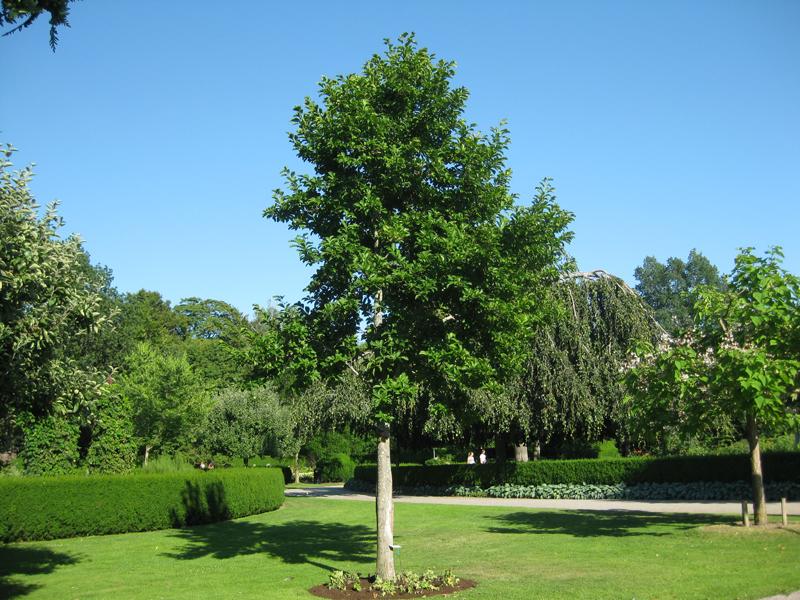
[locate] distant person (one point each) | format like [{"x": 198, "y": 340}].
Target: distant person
[
  {"x": 210, "y": 465},
  {"x": 202, "y": 466},
  {"x": 482, "y": 457},
  {"x": 470, "y": 458}
]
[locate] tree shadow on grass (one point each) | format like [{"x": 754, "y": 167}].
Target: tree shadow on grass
[
  {"x": 201, "y": 505},
  {"x": 592, "y": 523},
  {"x": 20, "y": 560},
  {"x": 295, "y": 542}
]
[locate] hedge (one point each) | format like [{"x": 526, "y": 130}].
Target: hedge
[
  {"x": 37, "y": 508},
  {"x": 778, "y": 466},
  {"x": 338, "y": 467}
]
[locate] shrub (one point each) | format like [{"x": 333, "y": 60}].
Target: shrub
[
  {"x": 51, "y": 446},
  {"x": 35, "y": 508},
  {"x": 778, "y": 466},
  {"x": 113, "y": 447},
  {"x": 336, "y": 468}
]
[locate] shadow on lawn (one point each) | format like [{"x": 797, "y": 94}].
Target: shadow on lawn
[
  {"x": 295, "y": 542},
  {"x": 591, "y": 523},
  {"x": 16, "y": 560}
]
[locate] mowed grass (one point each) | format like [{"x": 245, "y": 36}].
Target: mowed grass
[{"x": 512, "y": 553}]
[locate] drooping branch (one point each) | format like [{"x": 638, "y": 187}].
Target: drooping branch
[{"x": 598, "y": 274}]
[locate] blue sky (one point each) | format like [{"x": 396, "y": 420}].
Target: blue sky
[{"x": 161, "y": 126}]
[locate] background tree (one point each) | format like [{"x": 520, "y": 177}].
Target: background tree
[
  {"x": 410, "y": 223},
  {"x": 23, "y": 13},
  {"x": 247, "y": 423},
  {"x": 570, "y": 392},
  {"x": 50, "y": 310},
  {"x": 668, "y": 288},
  {"x": 740, "y": 360},
  {"x": 167, "y": 399}
]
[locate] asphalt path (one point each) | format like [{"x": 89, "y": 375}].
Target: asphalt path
[{"x": 337, "y": 492}]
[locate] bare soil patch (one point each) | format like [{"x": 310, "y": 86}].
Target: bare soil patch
[{"x": 323, "y": 591}]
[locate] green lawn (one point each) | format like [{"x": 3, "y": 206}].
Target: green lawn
[{"x": 512, "y": 553}]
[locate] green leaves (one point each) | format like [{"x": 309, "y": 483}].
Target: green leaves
[
  {"x": 50, "y": 309},
  {"x": 407, "y": 215},
  {"x": 741, "y": 357}
]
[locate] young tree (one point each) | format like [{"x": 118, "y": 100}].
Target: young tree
[
  {"x": 246, "y": 423},
  {"x": 167, "y": 399},
  {"x": 408, "y": 218},
  {"x": 741, "y": 360},
  {"x": 668, "y": 288}
]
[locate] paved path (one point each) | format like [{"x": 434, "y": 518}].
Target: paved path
[{"x": 658, "y": 506}]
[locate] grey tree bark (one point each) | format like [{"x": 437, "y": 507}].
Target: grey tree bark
[
  {"x": 521, "y": 452},
  {"x": 759, "y": 500},
  {"x": 384, "y": 507}
]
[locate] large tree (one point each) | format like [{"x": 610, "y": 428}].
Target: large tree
[
  {"x": 51, "y": 310},
  {"x": 409, "y": 221},
  {"x": 740, "y": 360},
  {"x": 668, "y": 287}
]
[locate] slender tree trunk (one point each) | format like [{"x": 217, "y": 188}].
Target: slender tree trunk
[
  {"x": 759, "y": 501},
  {"x": 521, "y": 452},
  {"x": 297, "y": 467},
  {"x": 384, "y": 508},
  {"x": 146, "y": 453},
  {"x": 384, "y": 505},
  {"x": 537, "y": 450}
]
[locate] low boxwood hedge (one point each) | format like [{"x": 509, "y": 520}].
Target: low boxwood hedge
[
  {"x": 778, "y": 466},
  {"x": 36, "y": 508}
]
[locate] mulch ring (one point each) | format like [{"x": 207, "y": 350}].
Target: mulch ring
[{"x": 323, "y": 591}]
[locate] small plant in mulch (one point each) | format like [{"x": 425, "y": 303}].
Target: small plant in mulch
[{"x": 342, "y": 584}]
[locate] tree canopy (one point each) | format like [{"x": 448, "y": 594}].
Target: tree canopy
[
  {"x": 668, "y": 288},
  {"x": 51, "y": 306},
  {"x": 23, "y": 13}
]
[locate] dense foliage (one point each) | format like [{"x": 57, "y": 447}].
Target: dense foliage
[
  {"x": 50, "y": 309},
  {"x": 740, "y": 361},
  {"x": 669, "y": 288},
  {"x": 247, "y": 423},
  {"x": 35, "y": 508}
]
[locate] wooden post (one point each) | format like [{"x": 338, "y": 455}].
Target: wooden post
[
  {"x": 784, "y": 516},
  {"x": 745, "y": 514}
]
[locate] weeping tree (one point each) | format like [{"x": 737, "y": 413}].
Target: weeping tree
[
  {"x": 415, "y": 237},
  {"x": 571, "y": 388}
]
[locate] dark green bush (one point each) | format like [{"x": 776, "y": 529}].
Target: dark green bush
[
  {"x": 51, "y": 446},
  {"x": 336, "y": 468},
  {"x": 778, "y": 466},
  {"x": 35, "y": 508}
]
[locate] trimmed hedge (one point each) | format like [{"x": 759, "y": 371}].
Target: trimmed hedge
[
  {"x": 338, "y": 467},
  {"x": 37, "y": 508},
  {"x": 778, "y": 466}
]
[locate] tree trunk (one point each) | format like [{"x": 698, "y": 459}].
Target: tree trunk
[
  {"x": 146, "y": 454},
  {"x": 384, "y": 508},
  {"x": 521, "y": 452},
  {"x": 297, "y": 467},
  {"x": 759, "y": 501},
  {"x": 500, "y": 448},
  {"x": 537, "y": 450}
]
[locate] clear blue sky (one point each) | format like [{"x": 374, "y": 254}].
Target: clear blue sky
[{"x": 161, "y": 126}]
